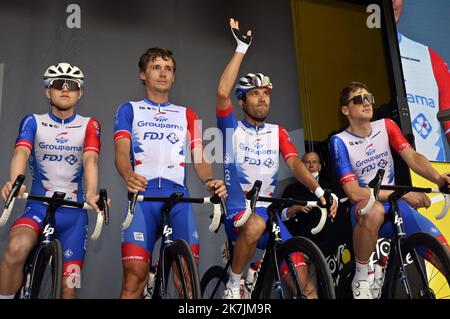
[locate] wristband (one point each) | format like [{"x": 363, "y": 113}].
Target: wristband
[
  {"x": 319, "y": 192},
  {"x": 284, "y": 215}
]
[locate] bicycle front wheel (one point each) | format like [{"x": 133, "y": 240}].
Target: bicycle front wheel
[
  {"x": 179, "y": 273},
  {"x": 46, "y": 277},
  {"x": 433, "y": 282},
  {"x": 213, "y": 283},
  {"x": 310, "y": 280}
]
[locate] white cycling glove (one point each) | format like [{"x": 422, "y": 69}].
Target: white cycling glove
[{"x": 243, "y": 41}]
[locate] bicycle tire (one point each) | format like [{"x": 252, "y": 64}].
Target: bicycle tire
[
  {"x": 344, "y": 286},
  {"x": 173, "y": 255},
  {"x": 46, "y": 280},
  {"x": 318, "y": 272},
  {"x": 209, "y": 281},
  {"x": 394, "y": 288}
]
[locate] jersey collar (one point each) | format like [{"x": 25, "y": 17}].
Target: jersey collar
[
  {"x": 157, "y": 104},
  {"x": 247, "y": 124},
  {"x": 61, "y": 121},
  {"x": 348, "y": 132}
]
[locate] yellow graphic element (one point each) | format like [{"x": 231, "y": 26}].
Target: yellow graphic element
[
  {"x": 346, "y": 256},
  {"x": 437, "y": 282},
  {"x": 442, "y": 225},
  {"x": 329, "y": 57}
]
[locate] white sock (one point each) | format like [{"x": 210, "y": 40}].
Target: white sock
[
  {"x": 7, "y": 296},
  {"x": 235, "y": 279},
  {"x": 361, "y": 270}
]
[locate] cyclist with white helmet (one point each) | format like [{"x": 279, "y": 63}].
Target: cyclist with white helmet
[
  {"x": 61, "y": 147},
  {"x": 251, "y": 152}
]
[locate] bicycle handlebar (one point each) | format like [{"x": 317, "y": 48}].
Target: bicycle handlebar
[
  {"x": 102, "y": 203},
  {"x": 253, "y": 196},
  {"x": 215, "y": 200},
  {"x": 376, "y": 185},
  {"x": 427, "y": 190}
]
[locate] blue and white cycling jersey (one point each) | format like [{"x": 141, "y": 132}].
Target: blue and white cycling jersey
[
  {"x": 359, "y": 158},
  {"x": 251, "y": 153},
  {"x": 159, "y": 134},
  {"x": 57, "y": 147}
]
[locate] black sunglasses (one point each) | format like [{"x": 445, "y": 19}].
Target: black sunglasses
[
  {"x": 58, "y": 84},
  {"x": 359, "y": 99}
]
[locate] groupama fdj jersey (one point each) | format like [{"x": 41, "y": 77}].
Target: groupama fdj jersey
[{"x": 57, "y": 147}]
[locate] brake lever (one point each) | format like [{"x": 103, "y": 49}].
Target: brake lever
[{"x": 102, "y": 204}]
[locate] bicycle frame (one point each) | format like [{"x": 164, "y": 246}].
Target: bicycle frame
[
  {"x": 45, "y": 238},
  {"x": 399, "y": 233},
  {"x": 166, "y": 241},
  {"x": 166, "y": 227},
  {"x": 270, "y": 253},
  {"x": 49, "y": 224}
]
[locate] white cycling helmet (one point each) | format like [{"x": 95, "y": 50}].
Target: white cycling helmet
[
  {"x": 252, "y": 81},
  {"x": 63, "y": 71}
]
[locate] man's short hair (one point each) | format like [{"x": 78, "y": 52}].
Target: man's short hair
[
  {"x": 152, "y": 54},
  {"x": 311, "y": 152},
  {"x": 350, "y": 88}
]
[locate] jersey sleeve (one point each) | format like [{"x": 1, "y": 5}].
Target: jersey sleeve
[
  {"x": 226, "y": 119},
  {"x": 194, "y": 133},
  {"x": 27, "y": 132},
  {"x": 92, "y": 137},
  {"x": 396, "y": 138},
  {"x": 341, "y": 161},
  {"x": 123, "y": 122},
  {"x": 287, "y": 148},
  {"x": 442, "y": 76}
]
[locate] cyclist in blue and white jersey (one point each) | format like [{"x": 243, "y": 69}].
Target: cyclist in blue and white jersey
[
  {"x": 61, "y": 148},
  {"x": 357, "y": 153},
  {"x": 151, "y": 140},
  {"x": 251, "y": 152}
]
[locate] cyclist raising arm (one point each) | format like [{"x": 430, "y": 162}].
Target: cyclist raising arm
[
  {"x": 357, "y": 153},
  {"x": 61, "y": 147},
  {"x": 251, "y": 152}
]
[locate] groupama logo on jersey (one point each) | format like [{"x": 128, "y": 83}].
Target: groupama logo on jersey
[
  {"x": 370, "y": 150},
  {"x": 258, "y": 143},
  {"x": 61, "y": 138},
  {"x": 160, "y": 118}
]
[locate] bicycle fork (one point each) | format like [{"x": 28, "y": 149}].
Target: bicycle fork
[{"x": 401, "y": 236}]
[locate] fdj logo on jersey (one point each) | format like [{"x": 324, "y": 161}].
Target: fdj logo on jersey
[
  {"x": 368, "y": 168},
  {"x": 153, "y": 136},
  {"x": 52, "y": 158},
  {"x": 61, "y": 138},
  {"x": 252, "y": 161}
]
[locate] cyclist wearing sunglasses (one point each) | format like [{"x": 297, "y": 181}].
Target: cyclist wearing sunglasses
[
  {"x": 427, "y": 82},
  {"x": 154, "y": 134},
  {"x": 358, "y": 152},
  {"x": 251, "y": 152},
  {"x": 61, "y": 147}
]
